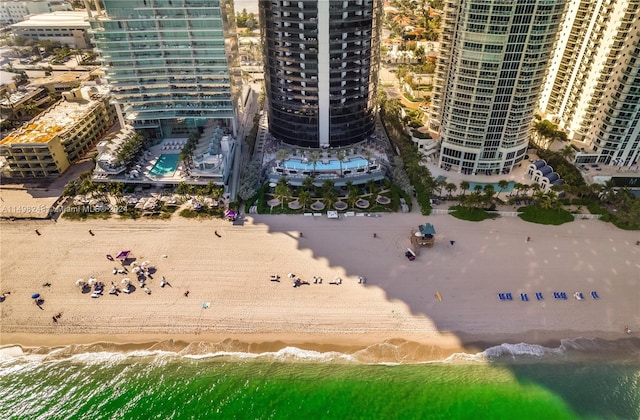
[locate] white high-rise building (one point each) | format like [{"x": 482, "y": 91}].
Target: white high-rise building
[
  {"x": 593, "y": 87},
  {"x": 490, "y": 72}
]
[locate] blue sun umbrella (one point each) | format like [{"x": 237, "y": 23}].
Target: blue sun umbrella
[{"x": 35, "y": 296}]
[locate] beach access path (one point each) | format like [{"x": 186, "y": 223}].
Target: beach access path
[{"x": 398, "y": 301}]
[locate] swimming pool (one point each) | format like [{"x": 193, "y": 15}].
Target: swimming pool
[
  {"x": 332, "y": 165},
  {"x": 165, "y": 165},
  {"x": 496, "y": 187}
]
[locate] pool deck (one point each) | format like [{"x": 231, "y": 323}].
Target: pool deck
[{"x": 518, "y": 174}]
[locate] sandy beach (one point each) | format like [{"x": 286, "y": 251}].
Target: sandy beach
[{"x": 247, "y": 312}]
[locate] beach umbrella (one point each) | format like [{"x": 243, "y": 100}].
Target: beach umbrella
[
  {"x": 123, "y": 254},
  {"x": 125, "y": 281},
  {"x": 144, "y": 263},
  {"x": 80, "y": 282},
  {"x": 35, "y": 296},
  {"x": 91, "y": 280},
  {"x": 136, "y": 269}
]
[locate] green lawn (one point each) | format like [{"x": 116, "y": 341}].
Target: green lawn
[
  {"x": 471, "y": 214},
  {"x": 536, "y": 214}
]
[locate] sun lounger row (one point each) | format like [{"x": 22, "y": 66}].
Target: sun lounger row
[{"x": 557, "y": 295}]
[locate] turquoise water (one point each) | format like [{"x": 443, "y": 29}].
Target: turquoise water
[
  {"x": 299, "y": 384},
  {"x": 165, "y": 165},
  {"x": 496, "y": 187},
  {"x": 332, "y": 165}
]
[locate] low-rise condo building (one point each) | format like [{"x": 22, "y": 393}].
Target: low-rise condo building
[{"x": 49, "y": 144}]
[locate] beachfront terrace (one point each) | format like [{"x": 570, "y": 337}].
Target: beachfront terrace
[
  {"x": 168, "y": 161},
  {"x": 356, "y": 164}
]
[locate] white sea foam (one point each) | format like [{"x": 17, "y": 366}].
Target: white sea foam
[
  {"x": 284, "y": 354},
  {"x": 520, "y": 349}
]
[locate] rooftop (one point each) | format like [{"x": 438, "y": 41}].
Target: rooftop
[
  {"x": 52, "y": 122},
  {"x": 60, "y": 19}
]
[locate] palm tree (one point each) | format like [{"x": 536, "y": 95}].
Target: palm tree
[
  {"x": 282, "y": 190},
  {"x": 183, "y": 188},
  {"x": 304, "y": 198},
  {"x": 489, "y": 191},
  {"x": 329, "y": 197},
  {"x": 539, "y": 195},
  {"x": 341, "y": 157},
  {"x": 450, "y": 187},
  {"x": 314, "y": 158},
  {"x": 503, "y": 184},
  {"x": 440, "y": 185},
  {"x": 517, "y": 186},
  {"x": 372, "y": 187},
  {"x": 464, "y": 186},
  {"x": 307, "y": 184},
  {"x": 354, "y": 195},
  {"x": 608, "y": 190},
  {"x": 327, "y": 185},
  {"x": 566, "y": 152}
]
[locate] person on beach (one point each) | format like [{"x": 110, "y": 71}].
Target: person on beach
[
  {"x": 528, "y": 238},
  {"x": 38, "y": 232},
  {"x": 91, "y": 233},
  {"x": 186, "y": 294}
]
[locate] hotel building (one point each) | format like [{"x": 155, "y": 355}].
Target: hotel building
[
  {"x": 489, "y": 75},
  {"x": 53, "y": 141},
  {"x": 593, "y": 88},
  {"x": 171, "y": 65},
  {"x": 321, "y": 69}
]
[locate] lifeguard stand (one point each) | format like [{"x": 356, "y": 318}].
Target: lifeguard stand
[{"x": 424, "y": 237}]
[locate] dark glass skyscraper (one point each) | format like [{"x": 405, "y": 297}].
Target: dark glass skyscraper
[{"x": 321, "y": 69}]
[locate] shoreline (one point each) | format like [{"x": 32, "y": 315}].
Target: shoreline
[
  {"x": 396, "y": 305},
  {"x": 368, "y": 349}
]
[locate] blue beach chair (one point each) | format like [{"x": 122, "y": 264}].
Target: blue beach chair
[
  {"x": 594, "y": 295},
  {"x": 524, "y": 297},
  {"x": 501, "y": 296},
  {"x": 539, "y": 296},
  {"x": 563, "y": 295},
  {"x": 557, "y": 295},
  {"x": 509, "y": 297}
]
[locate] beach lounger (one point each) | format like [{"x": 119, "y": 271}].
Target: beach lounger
[
  {"x": 539, "y": 296},
  {"x": 509, "y": 297},
  {"x": 594, "y": 295},
  {"x": 524, "y": 297}
]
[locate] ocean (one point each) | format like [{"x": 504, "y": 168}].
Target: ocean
[{"x": 580, "y": 379}]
